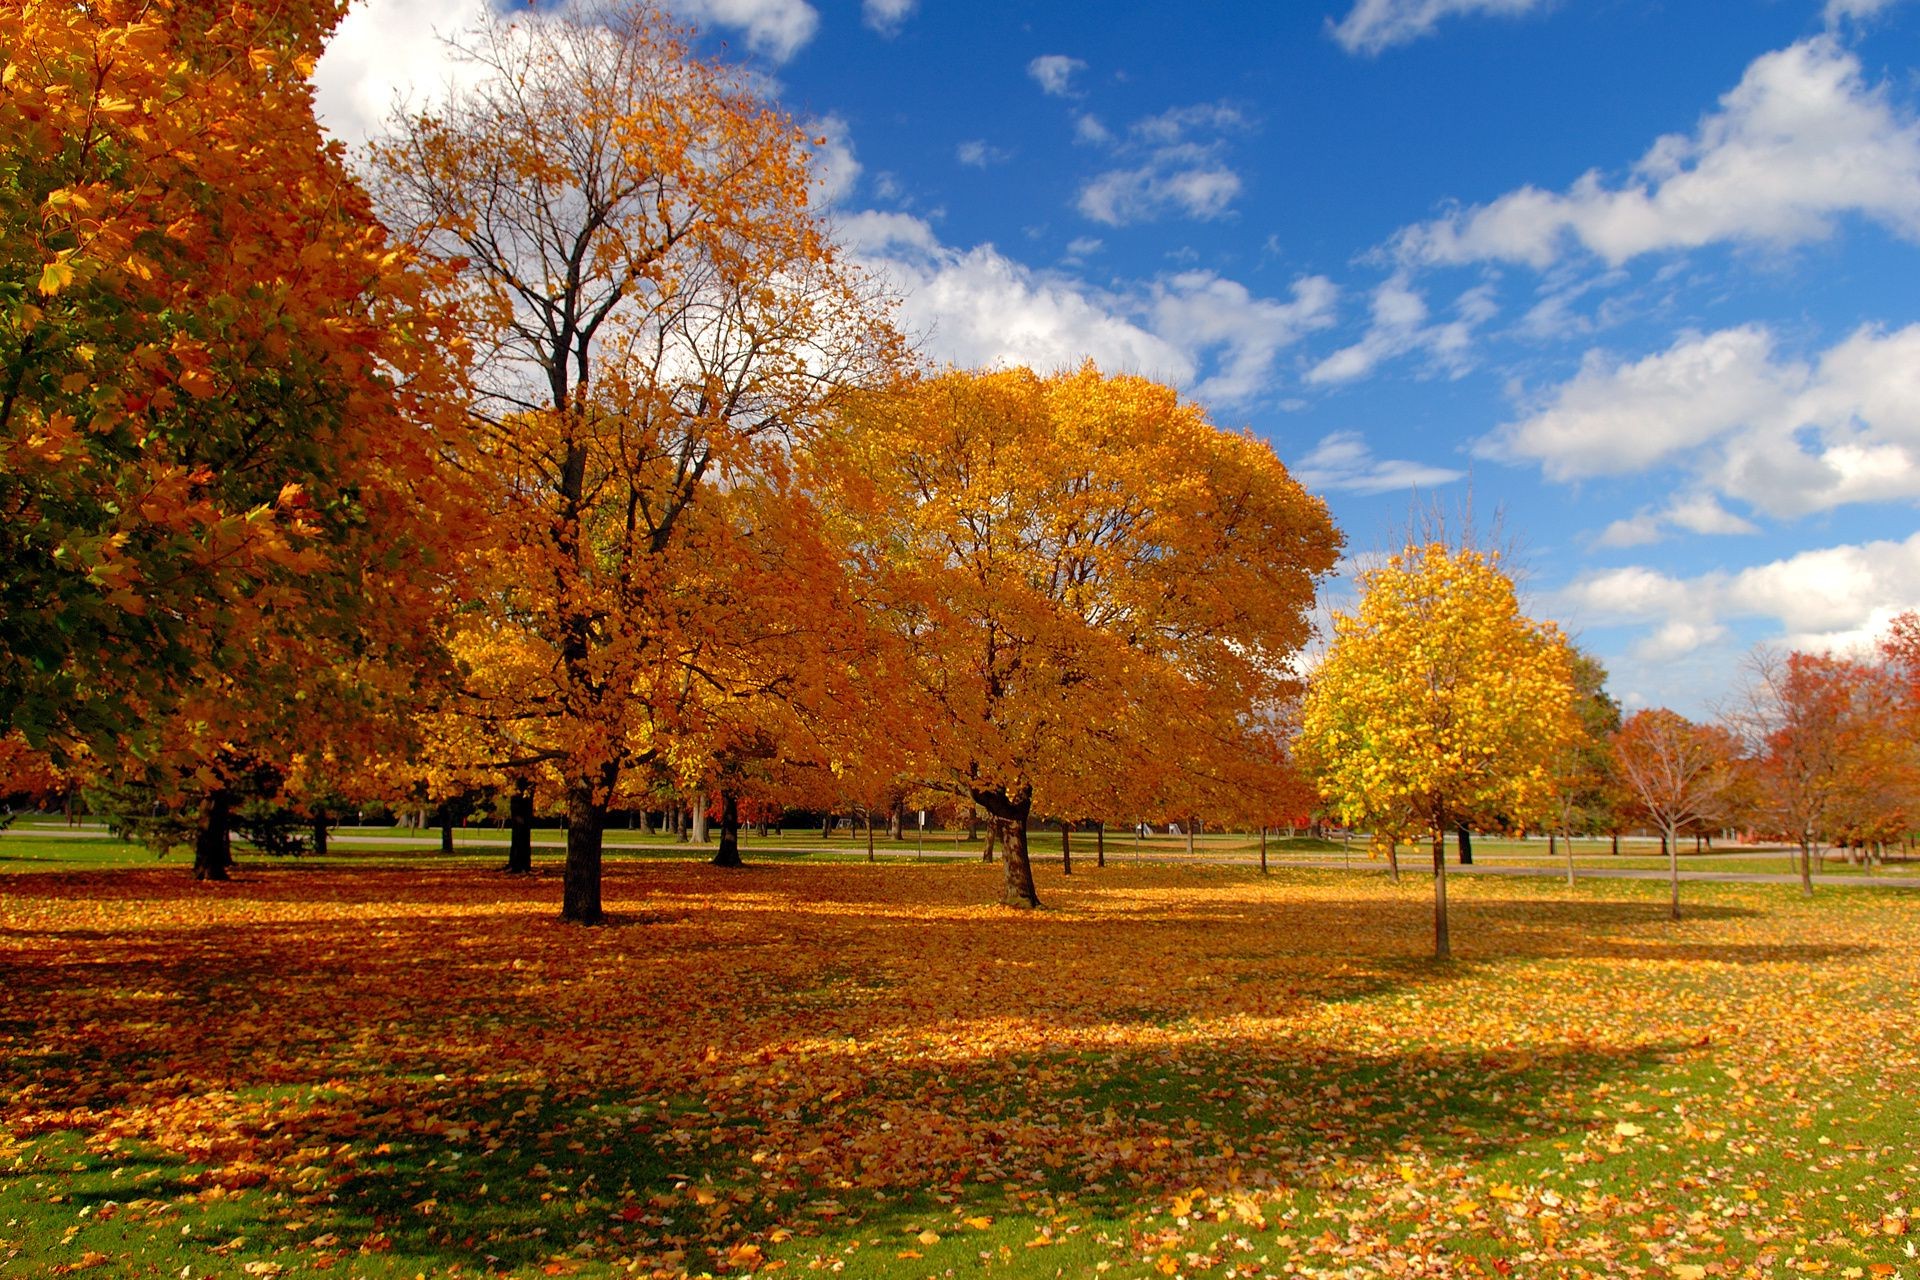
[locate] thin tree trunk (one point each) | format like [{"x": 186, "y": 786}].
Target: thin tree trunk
[
  {"x": 1100, "y": 843},
  {"x": 212, "y": 846},
  {"x": 1393, "y": 861},
  {"x": 319, "y": 835},
  {"x": 1066, "y": 848},
  {"x": 1442, "y": 944},
  {"x": 895, "y": 826},
  {"x": 586, "y": 821},
  {"x": 826, "y": 827},
  {"x": 729, "y": 852},
  {"x": 1553, "y": 846},
  {"x": 700, "y": 817},
  {"x": 1569, "y": 858},
  {"x": 520, "y": 828},
  {"x": 1670, "y": 845},
  {"x": 1616, "y": 844},
  {"x": 1806, "y": 866},
  {"x": 1466, "y": 846},
  {"x": 1263, "y": 851},
  {"x": 446, "y": 829},
  {"x": 870, "y": 856},
  {"x": 973, "y": 823},
  {"x": 1191, "y": 824}
]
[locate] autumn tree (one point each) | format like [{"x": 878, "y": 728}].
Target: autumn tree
[
  {"x": 1677, "y": 772},
  {"x": 658, "y": 315},
  {"x": 1583, "y": 793},
  {"x": 1438, "y": 698},
  {"x": 221, "y": 388},
  {"x": 1086, "y": 577}
]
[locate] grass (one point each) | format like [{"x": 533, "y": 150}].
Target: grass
[{"x": 389, "y": 1070}]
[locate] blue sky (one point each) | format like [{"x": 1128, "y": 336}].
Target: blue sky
[{"x": 1636, "y": 277}]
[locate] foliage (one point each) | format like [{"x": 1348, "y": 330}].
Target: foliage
[
  {"x": 1096, "y": 590},
  {"x": 1438, "y": 699},
  {"x": 221, "y": 388},
  {"x": 661, "y": 317},
  {"x": 1230, "y": 1069},
  {"x": 1677, "y": 774}
]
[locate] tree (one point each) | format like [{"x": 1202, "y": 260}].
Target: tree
[
  {"x": 1583, "y": 793},
  {"x": 658, "y": 316},
  {"x": 1088, "y": 581},
  {"x": 220, "y": 389},
  {"x": 214, "y": 371},
  {"x": 1437, "y": 699},
  {"x": 1677, "y": 773}
]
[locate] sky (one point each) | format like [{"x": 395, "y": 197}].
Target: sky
[{"x": 1631, "y": 284}]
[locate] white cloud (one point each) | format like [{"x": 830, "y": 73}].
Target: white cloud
[
  {"x": 1784, "y": 436},
  {"x": 1204, "y": 313},
  {"x": 1054, "y": 73},
  {"x": 1857, "y": 10},
  {"x": 1800, "y": 142},
  {"x": 977, "y": 153},
  {"x": 1088, "y": 129},
  {"x": 1185, "y": 179},
  {"x": 1374, "y": 25},
  {"x": 1826, "y": 598},
  {"x": 1343, "y": 461},
  {"x": 1696, "y": 512},
  {"x": 887, "y": 16},
  {"x": 775, "y": 29},
  {"x": 1399, "y": 326},
  {"x": 1209, "y": 336},
  {"x": 835, "y": 172},
  {"x": 388, "y": 52}
]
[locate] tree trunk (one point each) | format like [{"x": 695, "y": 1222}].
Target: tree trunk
[
  {"x": 729, "y": 853},
  {"x": 1806, "y": 866},
  {"x": 993, "y": 831},
  {"x": 1616, "y": 844},
  {"x": 1670, "y": 845},
  {"x": 700, "y": 817},
  {"x": 1696, "y": 842},
  {"x": 1442, "y": 944},
  {"x": 1393, "y": 861},
  {"x": 1569, "y": 858},
  {"x": 1466, "y": 846},
  {"x": 319, "y": 835},
  {"x": 212, "y": 847},
  {"x": 870, "y": 856},
  {"x": 826, "y": 827},
  {"x": 894, "y": 827},
  {"x": 520, "y": 828},
  {"x": 973, "y": 823},
  {"x": 1066, "y": 848},
  {"x": 586, "y": 820},
  {"x": 1263, "y": 851},
  {"x": 1010, "y": 812},
  {"x": 1100, "y": 843},
  {"x": 446, "y": 829},
  {"x": 1553, "y": 845},
  {"x": 1191, "y": 824}
]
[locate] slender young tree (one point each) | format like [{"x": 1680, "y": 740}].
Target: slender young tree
[{"x": 1678, "y": 773}]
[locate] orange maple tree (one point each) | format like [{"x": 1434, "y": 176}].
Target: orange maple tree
[
  {"x": 1089, "y": 580},
  {"x": 221, "y": 387},
  {"x": 1677, "y": 773}
]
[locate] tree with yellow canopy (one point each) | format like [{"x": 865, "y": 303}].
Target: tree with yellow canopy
[{"x": 1438, "y": 698}]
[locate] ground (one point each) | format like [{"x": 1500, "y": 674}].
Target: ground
[{"x": 396, "y": 1070}]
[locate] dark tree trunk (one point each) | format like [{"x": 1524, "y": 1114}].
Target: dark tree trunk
[
  {"x": 1393, "y": 861},
  {"x": 1553, "y": 844},
  {"x": 870, "y": 856},
  {"x": 993, "y": 833},
  {"x": 1263, "y": 851},
  {"x": 1066, "y": 848},
  {"x": 1616, "y": 844},
  {"x": 826, "y": 827},
  {"x": 1010, "y": 812},
  {"x": 520, "y": 829},
  {"x": 1442, "y": 943},
  {"x": 973, "y": 824},
  {"x": 320, "y": 835},
  {"x": 1100, "y": 843},
  {"x": 1466, "y": 846},
  {"x": 446, "y": 830},
  {"x": 729, "y": 854},
  {"x": 1696, "y": 842},
  {"x": 212, "y": 847},
  {"x": 586, "y": 821}
]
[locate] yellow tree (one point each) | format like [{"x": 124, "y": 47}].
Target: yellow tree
[
  {"x": 221, "y": 388},
  {"x": 658, "y": 316},
  {"x": 1085, "y": 576},
  {"x": 1438, "y": 698}
]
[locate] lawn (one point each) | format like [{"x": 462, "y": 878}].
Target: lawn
[{"x": 401, "y": 1070}]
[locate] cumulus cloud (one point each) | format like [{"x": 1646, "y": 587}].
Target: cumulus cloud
[
  {"x": 1176, "y": 166},
  {"x": 1784, "y": 436},
  {"x": 977, "y": 153},
  {"x": 887, "y": 16},
  {"x": 1826, "y": 598},
  {"x": 775, "y": 29},
  {"x": 1375, "y": 25},
  {"x": 1054, "y": 73},
  {"x": 1343, "y": 461},
  {"x": 835, "y": 172},
  {"x": 1689, "y": 512},
  {"x": 1208, "y": 335},
  {"x": 1799, "y": 143},
  {"x": 1400, "y": 325}
]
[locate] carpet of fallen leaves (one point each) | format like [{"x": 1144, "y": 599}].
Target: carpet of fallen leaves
[{"x": 864, "y": 1071}]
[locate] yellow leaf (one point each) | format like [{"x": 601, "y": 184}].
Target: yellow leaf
[
  {"x": 1689, "y": 1271},
  {"x": 55, "y": 276},
  {"x": 928, "y": 1236},
  {"x": 1628, "y": 1129},
  {"x": 980, "y": 1223}
]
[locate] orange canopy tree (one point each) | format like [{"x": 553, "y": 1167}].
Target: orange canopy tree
[
  {"x": 221, "y": 389},
  {"x": 1437, "y": 699},
  {"x": 1086, "y": 576},
  {"x": 659, "y": 316},
  {"x": 1676, "y": 774}
]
